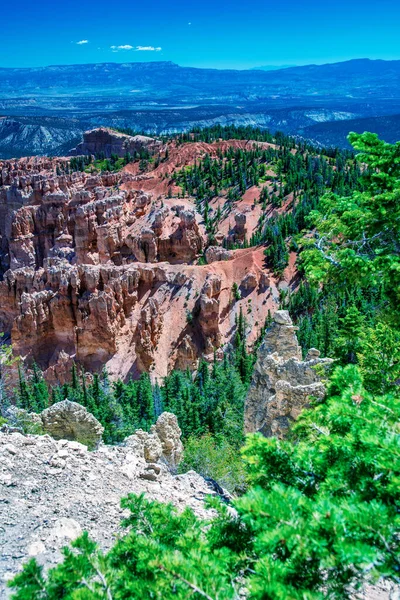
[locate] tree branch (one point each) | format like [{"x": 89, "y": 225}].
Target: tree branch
[{"x": 188, "y": 583}]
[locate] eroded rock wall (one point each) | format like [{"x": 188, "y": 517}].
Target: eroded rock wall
[{"x": 102, "y": 268}]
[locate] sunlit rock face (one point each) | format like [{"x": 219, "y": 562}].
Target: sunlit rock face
[{"x": 282, "y": 382}]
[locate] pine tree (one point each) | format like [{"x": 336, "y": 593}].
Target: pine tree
[{"x": 146, "y": 402}]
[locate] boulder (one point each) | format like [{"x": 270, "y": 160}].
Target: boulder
[
  {"x": 282, "y": 317},
  {"x": 68, "y": 420},
  {"x": 217, "y": 253},
  {"x": 249, "y": 281},
  {"x": 265, "y": 281},
  {"x": 169, "y": 434},
  {"x": 212, "y": 285},
  {"x": 240, "y": 226}
]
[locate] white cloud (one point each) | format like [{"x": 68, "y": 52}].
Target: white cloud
[
  {"x": 122, "y": 47},
  {"x": 81, "y": 42},
  {"x": 148, "y": 49},
  {"x": 136, "y": 48}
]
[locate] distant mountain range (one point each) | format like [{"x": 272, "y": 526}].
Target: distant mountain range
[
  {"x": 24, "y": 136},
  {"x": 272, "y": 67},
  {"x": 356, "y": 78},
  {"x": 47, "y": 108}
]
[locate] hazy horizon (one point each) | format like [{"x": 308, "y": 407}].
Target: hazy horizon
[{"x": 263, "y": 66}]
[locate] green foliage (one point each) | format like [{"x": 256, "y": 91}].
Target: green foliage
[
  {"x": 357, "y": 237},
  {"x": 229, "y": 132},
  {"x": 164, "y": 555},
  {"x": 301, "y": 176},
  {"x": 112, "y": 164},
  {"x": 354, "y": 253},
  {"x": 233, "y": 171},
  {"x": 33, "y": 393},
  {"x": 276, "y": 253},
  {"x": 215, "y": 457},
  {"x": 242, "y": 359},
  {"x": 236, "y": 292},
  {"x": 380, "y": 358},
  {"x": 212, "y": 402},
  {"x": 323, "y": 315},
  {"x": 341, "y": 523},
  {"x": 78, "y": 163},
  {"x": 321, "y": 518},
  {"x": 6, "y": 361}
]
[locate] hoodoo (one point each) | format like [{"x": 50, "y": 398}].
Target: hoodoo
[{"x": 282, "y": 383}]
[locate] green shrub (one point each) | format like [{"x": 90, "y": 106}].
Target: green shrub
[{"x": 213, "y": 456}]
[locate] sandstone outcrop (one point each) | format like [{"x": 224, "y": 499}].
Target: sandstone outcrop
[
  {"x": 240, "y": 226},
  {"x": 282, "y": 383},
  {"x": 64, "y": 420},
  {"x": 265, "y": 281},
  {"x": 108, "y": 142},
  {"x": 209, "y": 312},
  {"x": 169, "y": 434},
  {"x": 185, "y": 243},
  {"x": 186, "y": 354},
  {"x": 68, "y": 420},
  {"x": 71, "y": 280},
  {"x": 148, "y": 333},
  {"x": 249, "y": 282},
  {"x": 162, "y": 444},
  {"x": 217, "y": 253},
  {"x": 48, "y": 216}
]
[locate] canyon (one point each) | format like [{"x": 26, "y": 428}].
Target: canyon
[
  {"x": 142, "y": 255},
  {"x": 113, "y": 269}
]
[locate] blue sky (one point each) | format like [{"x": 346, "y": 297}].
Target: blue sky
[{"x": 209, "y": 33}]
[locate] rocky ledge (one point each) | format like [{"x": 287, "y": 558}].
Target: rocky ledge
[{"x": 50, "y": 491}]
